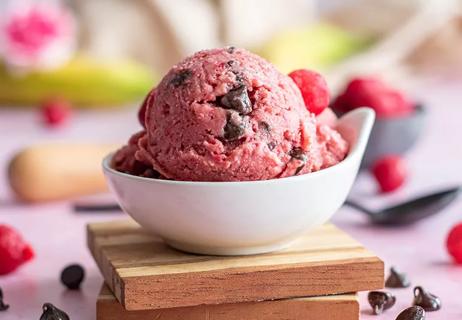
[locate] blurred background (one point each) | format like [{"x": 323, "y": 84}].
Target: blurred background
[
  {"x": 43, "y": 40},
  {"x": 78, "y": 70},
  {"x": 74, "y": 73}
]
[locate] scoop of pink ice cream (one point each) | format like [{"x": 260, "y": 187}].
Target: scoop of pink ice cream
[
  {"x": 124, "y": 159},
  {"x": 229, "y": 115},
  {"x": 327, "y": 117}
]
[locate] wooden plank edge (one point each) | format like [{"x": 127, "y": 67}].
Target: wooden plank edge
[
  {"x": 159, "y": 299},
  {"x": 112, "y": 277},
  {"x": 333, "y": 307}
]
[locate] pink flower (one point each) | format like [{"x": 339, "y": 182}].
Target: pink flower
[{"x": 37, "y": 36}]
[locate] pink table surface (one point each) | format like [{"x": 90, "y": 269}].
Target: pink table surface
[{"x": 58, "y": 234}]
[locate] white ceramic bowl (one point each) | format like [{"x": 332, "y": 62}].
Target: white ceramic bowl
[
  {"x": 394, "y": 135},
  {"x": 238, "y": 218}
]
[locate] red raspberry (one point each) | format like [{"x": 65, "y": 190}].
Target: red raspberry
[
  {"x": 314, "y": 89},
  {"x": 148, "y": 101},
  {"x": 56, "y": 112},
  {"x": 373, "y": 93},
  {"x": 356, "y": 93},
  {"x": 454, "y": 243},
  {"x": 13, "y": 250},
  {"x": 390, "y": 172}
]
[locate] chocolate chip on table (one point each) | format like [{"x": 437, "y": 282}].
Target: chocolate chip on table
[
  {"x": 50, "y": 312},
  {"x": 180, "y": 77},
  {"x": 380, "y": 301},
  {"x": 234, "y": 128},
  {"x": 426, "y": 300},
  {"x": 412, "y": 313},
  {"x": 237, "y": 99},
  {"x": 397, "y": 279},
  {"x": 72, "y": 276},
  {"x": 3, "y": 305}
]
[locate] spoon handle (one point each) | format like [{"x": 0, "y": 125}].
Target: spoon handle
[
  {"x": 87, "y": 208},
  {"x": 359, "y": 207}
]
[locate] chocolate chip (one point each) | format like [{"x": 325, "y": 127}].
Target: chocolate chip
[
  {"x": 150, "y": 173},
  {"x": 239, "y": 77},
  {"x": 299, "y": 169},
  {"x": 138, "y": 168},
  {"x": 271, "y": 145},
  {"x": 237, "y": 99},
  {"x": 380, "y": 301},
  {"x": 231, "y": 49},
  {"x": 72, "y": 276},
  {"x": 265, "y": 127},
  {"x": 397, "y": 279},
  {"x": 50, "y": 312},
  {"x": 231, "y": 63},
  {"x": 412, "y": 313},
  {"x": 266, "y": 131},
  {"x": 297, "y": 153},
  {"x": 234, "y": 128},
  {"x": 3, "y": 305},
  {"x": 180, "y": 77},
  {"x": 426, "y": 300}
]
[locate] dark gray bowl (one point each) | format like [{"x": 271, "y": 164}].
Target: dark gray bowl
[{"x": 394, "y": 136}]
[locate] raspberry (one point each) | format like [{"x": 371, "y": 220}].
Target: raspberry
[
  {"x": 314, "y": 89},
  {"x": 386, "y": 101},
  {"x": 56, "y": 112},
  {"x": 148, "y": 101},
  {"x": 13, "y": 250},
  {"x": 454, "y": 243},
  {"x": 390, "y": 172}
]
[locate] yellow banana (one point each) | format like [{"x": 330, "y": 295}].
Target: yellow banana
[
  {"x": 83, "y": 81},
  {"x": 318, "y": 47}
]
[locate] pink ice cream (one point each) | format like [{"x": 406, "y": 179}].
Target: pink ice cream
[
  {"x": 124, "y": 159},
  {"x": 229, "y": 115}
]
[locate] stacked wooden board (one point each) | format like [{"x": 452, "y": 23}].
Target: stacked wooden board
[{"x": 315, "y": 278}]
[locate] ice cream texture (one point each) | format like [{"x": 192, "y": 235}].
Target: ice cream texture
[{"x": 228, "y": 115}]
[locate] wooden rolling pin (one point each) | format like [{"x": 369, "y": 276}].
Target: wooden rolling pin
[{"x": 58, "y": 171}]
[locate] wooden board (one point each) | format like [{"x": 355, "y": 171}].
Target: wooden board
[
  {"x": 144, "y": 273},
  {"x": 337, "y": 307}
]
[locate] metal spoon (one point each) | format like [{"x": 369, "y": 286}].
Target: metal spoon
[
  {"x": 92, "y": 208},
  {"x": 410, "y": 211}
]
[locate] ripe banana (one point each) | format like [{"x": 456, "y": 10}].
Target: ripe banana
[
  {"x": 316, "y": 47},
  {"x": 83, "y": 81}
]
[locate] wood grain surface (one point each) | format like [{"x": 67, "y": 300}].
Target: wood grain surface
[
  {"x": 145, "y": 274},
  {"x": 336, "y": 307}
]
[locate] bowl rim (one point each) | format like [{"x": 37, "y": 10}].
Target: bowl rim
[{"x": 361, "y": 139}]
